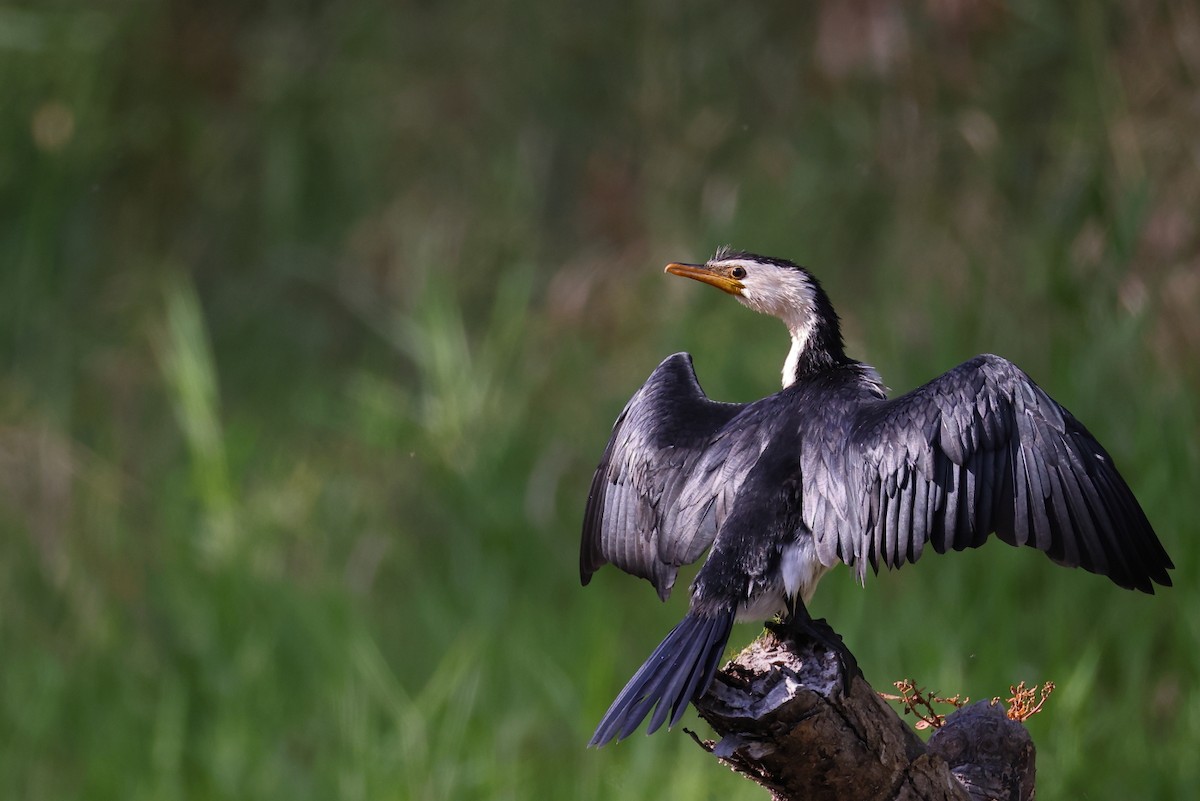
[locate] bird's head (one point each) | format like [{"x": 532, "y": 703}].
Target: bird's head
[
  {"x": 772, "y": 286},
  {"x": 781, "y": 289}
]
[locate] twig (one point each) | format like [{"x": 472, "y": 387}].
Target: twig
[
  {"x": 1021, "y": 705},
  {"x": 911, "y": 697}
]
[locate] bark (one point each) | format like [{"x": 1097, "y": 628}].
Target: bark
[{"x": 784, "y": 721}]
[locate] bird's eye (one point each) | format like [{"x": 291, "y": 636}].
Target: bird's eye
[{"x": 738, "y": 272}]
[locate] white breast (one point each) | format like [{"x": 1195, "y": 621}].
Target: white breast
[{"x": 800, "y": 570}]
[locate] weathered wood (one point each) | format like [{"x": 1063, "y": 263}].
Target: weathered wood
[
  {"x": 785, "y": 722},
  {"x": 991, "y": 755}
]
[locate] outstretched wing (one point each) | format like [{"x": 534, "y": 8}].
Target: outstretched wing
[
  {"x": 666, "y": 479},
  {"x": 983, "y": 449}
]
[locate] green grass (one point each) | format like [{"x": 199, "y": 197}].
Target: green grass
[{"x": 313, "y": 323}]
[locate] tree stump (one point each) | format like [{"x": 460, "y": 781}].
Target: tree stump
[{"x": 785, "y": 722}]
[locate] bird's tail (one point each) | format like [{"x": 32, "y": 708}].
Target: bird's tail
[{"x": 679, "y": 670}]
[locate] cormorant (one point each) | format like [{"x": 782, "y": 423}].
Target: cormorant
[{"x": 829, "y": 470}]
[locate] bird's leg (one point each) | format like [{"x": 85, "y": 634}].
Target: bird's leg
[{"x": 799, "y": 624}]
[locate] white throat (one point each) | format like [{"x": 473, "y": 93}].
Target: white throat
[{"x": 800, "y": 335}]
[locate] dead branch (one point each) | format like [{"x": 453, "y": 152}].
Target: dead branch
[{"x": 785, "y": 722}]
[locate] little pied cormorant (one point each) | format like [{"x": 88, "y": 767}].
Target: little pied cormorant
[{"x": 829, "y": 470}]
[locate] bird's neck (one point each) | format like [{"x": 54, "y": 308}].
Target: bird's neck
[{"x": 814, "y": 349}]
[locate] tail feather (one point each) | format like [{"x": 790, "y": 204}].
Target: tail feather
[
  {"x": 679, "y": 670},
  {"x": 671, "y": 686}
]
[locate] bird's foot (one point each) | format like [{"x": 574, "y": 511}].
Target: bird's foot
[{"x": 803, "y": 627}]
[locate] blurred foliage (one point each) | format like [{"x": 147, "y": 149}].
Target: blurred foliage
[{"x": 314, "y": 318}]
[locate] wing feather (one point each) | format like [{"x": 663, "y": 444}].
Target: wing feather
[
  {"x": 982, "y": 450},
  {"x": 664, "y": 483}
]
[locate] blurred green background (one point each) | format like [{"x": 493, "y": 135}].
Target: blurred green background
[{"x": 314, "y": 319}]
